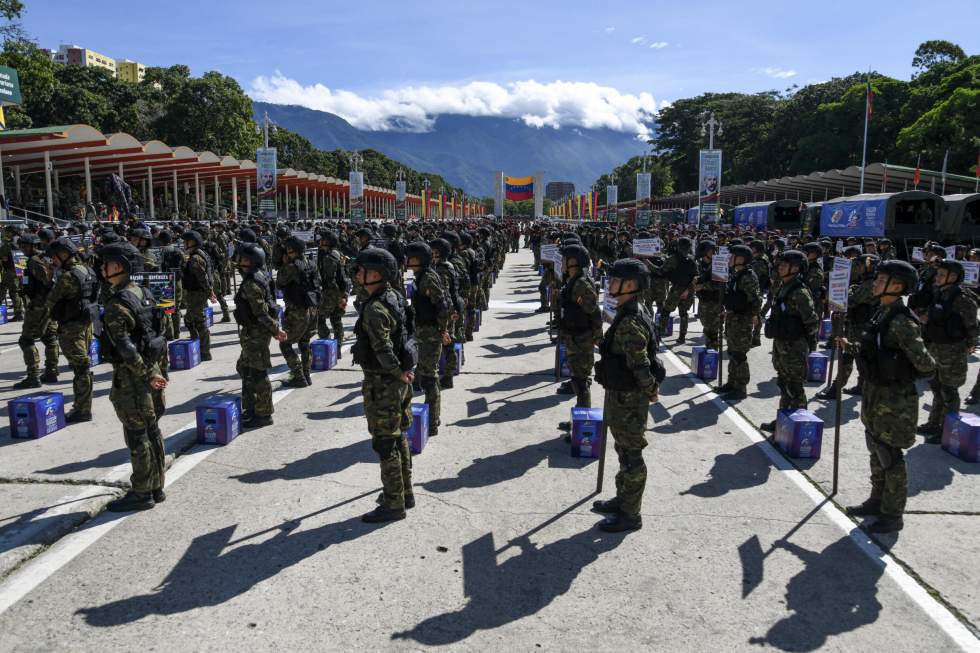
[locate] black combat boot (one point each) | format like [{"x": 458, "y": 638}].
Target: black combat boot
[
  {"x": 50, "y": 376},
  {"x": 76, "y": 416},
  {"x": 887, "y": 524},
  {"x": 132, "y": 501},
  {"x": 929, "y": 429},
  {"x": 298, "y": 381},
  {"x": 854, "y": 391},
  {"x": 381, "y": 514},
  {"x": 768, "y": 427},
  {"x": 620, "y": 523},
  {"x": 409, "y": 499},
  {"x": 608, "y": 507},
  {"x": 27, "y": 383},
  {"x": 870, "y": 508},
  {"x": 725, "y": 387},
  {"x": 681, "y": 336},
  {"x": 308, "y": 377},
  {"x": 565, "y": 388},
  {"x": 735, "y": 394},
  {"x": 446, "y": 382},
  {"x": 159, "y": 496},
  {"x": 257, "y": 421},
  {"x": 830, "y": 392}
]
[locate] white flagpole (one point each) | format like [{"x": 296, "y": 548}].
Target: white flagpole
[
  {"x": 945, "y": 161},
  {"x": 864, "y": 149}
]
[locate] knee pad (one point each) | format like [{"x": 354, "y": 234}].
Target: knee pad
[
  {"x": 25, "y": 342},
  {"x": 888, "y": 456},
  {"x": 80, "y": 370},
  {"x": 384, "y": 447},
  {"x": 634, "y": 460},
  {"x": 428, "y": 383},
  {"x": 286, "y": 348},
  {"x": 738, "y": 356}
]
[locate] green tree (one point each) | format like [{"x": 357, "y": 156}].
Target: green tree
[
  {"x": 661, "y": 178},
  {"x": 930, "y": 53}
]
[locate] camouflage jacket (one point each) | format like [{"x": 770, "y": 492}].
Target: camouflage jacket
[
  {"x": 119, "y": 323},
  {"x": 631, "y": 338},
  {"x": 903, "y": 333},
  {"x": 259, "y": 300},
  {"x": 585, "y": 294},
  {"x": 430, "y": 285},
  {"x": 376, "y": 323}
]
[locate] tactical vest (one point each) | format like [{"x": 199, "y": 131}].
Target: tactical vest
[
  {"x": 35, "y": 288},
  {"x": 883, "y": 365},
  {"x": 78, "y": 308},
  {"x": 173, "y": 261},
  {"x": 783, "y": 325},
  {"x": 190, "y": 281},
  {"x": 612, "y": 371},
  {"x": 685, "y": 271},
  {"x": 401, "y": 336},
  {"x": 861, "y": 313},
  {"x": 924, "y": 293},
  {"x": 709, "y": 292},
  {"x": 945, "y": 326},
  {"x": 243, "y": 310},
  {"x": 457, "y": 301},
  {"x": 426, "y": 311},
  {"x": 305, "y": 292},
  {"x": 574, "y": 319},
  {"x": 144, "y": 335},
  {"x": 736, "y": 299}
]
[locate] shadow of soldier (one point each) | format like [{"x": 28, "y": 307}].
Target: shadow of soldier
[
  {"x": 521, "y": 586},
  {"x": 747, "y": 467},
  {"x": 209, "y": 573},
  {"x": 835, "y": 593},
  {"x": 932, "y": 468},
  {"x": 318, "y": 463}
]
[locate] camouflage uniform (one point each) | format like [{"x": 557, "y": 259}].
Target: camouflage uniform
[
  {"x": 949, "y": 333},
  {"x": 37, "y": 322},
  {"x": 794, "y": 331},
  {"x": 459, "y": 326},
  {"x": 196, "y": 278},
  {"x": 890, "y": 407},
  {"x": 680, "y": 270},
  {"x": 861, "y": 305},
  {"x": 815, "y": 282},
  {"x": 743, "y": 301},
  {"x": 330, "y": 267},
  {"x": 387, "y": 400},
  {"x": 710, "y": 294},
  {"x": 9, "y": 281},
  {"x": 581, "y": 328},
  {"x": 546, "y": 285},
  {"x": 69, "y": 302},
  {"x": 255, "y": 312},
  {"x": 625, "y": 373},
  {"x": 299, "y": 321},
  {"x": 131, "y": 395},
  {"x": 430, "y": 301},
  {"x": 763, "y": 272}
]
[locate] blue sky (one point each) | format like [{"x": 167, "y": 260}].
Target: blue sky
[{"x": 374, "y": 60}]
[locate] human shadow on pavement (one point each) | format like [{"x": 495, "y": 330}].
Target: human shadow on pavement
[
  {"x": 519, "y": 334},
  {"x": 508, "y": 466},
  {"x": 765, "y": 390},
  {"x": 520, "y": 349},
  {"x": 837, "y": 592},
  {"x": 521, "y": 586},
  {"x": 932, "y": 468},
  {"x": 210, "y": 574},
  {"x": 351, "y": 410},
  {"x": 32, "y": 527},
  {"x": 505, "y": 383},
  {"x": 748, "y": 467},
  {"x": 510, "y": 411},
  {"x": 516, "y": 316},
  {"x": 319, "y": 463}
]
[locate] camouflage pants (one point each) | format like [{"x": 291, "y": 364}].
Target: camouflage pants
[
  {"x": 579, "y": 354},
  {"x": 682, "y": 305},
  {"x": 626, "y": 418},
  {"x": 709, "y": 313},
  {"x": 789, "y": 361},
  {"x": 387, "y": 406},
  {"x": 429, "y": 341},
  {"x": 9, "y": 285},
  {"x": 299, "y": 323},
  {"x": 256, "y": 391},
  {"x": 890, "y": 413},
  {"x": 451, "y": 358},
  {"x": 330, "y": 319},
  {"x": 35, "y": 328},
  {"x": 738, "y": 339},
  {"x": 196, "y": 320},
  {"x": 173, "y": 319},
  {"x": 217, "y": 284},
  {"x": 134, "y": 401},
  {"x": 75, "y": 339},
  {"x": 889, "y": 475},
  {"x": 951, "y": 366}
]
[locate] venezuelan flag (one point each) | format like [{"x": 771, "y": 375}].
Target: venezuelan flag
[{"x": 519, "y": 188}]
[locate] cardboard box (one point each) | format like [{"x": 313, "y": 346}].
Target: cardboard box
[
  {"x": 816, "y": 367},
  {"x": 94, "y": 353},
  {"x": 409, "y": 289},
  {"x": 670, "y": 325},
  {"x": 184, "y": 354},
  {"x": 799, "y": 433},
  {"x": 961, "y": 436},
  {"x": 36, "y": 415},
  {"x": 219, "y": 420},
  {"x": 586, "y": 432},
  {"x": 209, "y": 316},
  {"x": 563, "y": 369},
  {"x": 3, "y": 313},
  {"x": 418, "y": 433},
  {"x": 324, "y": 354},
  {"x": 479, "y": 320},
  {"x": 460, "y": 359},
  {"x": 704, "y": 363},
  {"x": 826, "y": 326}
]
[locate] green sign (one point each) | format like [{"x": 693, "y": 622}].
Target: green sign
[{"x": 9, "y": 86}]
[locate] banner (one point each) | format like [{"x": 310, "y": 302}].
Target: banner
[
  {"x": 692, "y": 215},
  {"x": 9, "y": 86},
  {"x": 751, "y": 216},
  {"x": 612, "y": 199},
  {"x": 971, "y": 273},
  {"x": 647, "y": 246},
  {"x": 709, "y": 186},
  {"x": 356, "y": 180},
  {"x": 552, "y": 253},
  {"x": 643, "y": 212},
  {"x": 853, "y": 218},
  {"x": 265, "y": 171},
  {"x": 838, "y": 285},
  {"x": 719, "y": 268},
  {"x": 162, "y": 285},
  {"x": 400, "y": 187},
  {"x": 917, "y": 255},
  {"x": 519, "y": 188}
]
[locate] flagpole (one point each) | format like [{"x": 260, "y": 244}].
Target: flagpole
[
  {"x": 864, "y": 149},
  {"x": 945, "y": 161}
]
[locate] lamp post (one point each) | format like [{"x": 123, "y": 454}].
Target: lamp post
[{"x": 709, "y": 127}]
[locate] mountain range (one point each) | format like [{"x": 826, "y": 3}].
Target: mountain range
[{"x": 466, "y": 150}]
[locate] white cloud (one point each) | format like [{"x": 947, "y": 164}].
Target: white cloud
[
  {"x": 775, "y": 72},
  {"x": 610, "y": 30},
  {"x": 413, "y": 108},
  {"x": 658, "y": 45},
  {"x": 638, "y": 40}
]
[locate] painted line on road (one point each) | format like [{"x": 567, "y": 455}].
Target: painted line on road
[{"x": 939, "y": 613}]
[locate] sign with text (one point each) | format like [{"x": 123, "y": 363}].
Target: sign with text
[
  {"x": 853, "y": 218},
  {"x": 971, "y": 273},
  {"x": 356, "y": 180},
  {"x": 612, "y": 199},
  {"x": 838, "y": 285},
  {"x": 9, "y": 86},
  {"x": 709, "y": 186},
  {"x": 265, "y": 175},
  {"x": 162, "y": 286},
  {"x": 647, "y": 246},
  {"x": 719, "y": 267},
  {"x": 400, "y": 187}
]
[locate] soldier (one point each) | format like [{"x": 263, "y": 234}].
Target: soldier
[
  {"x": 70, "y": 303},
  {"x": 793, "y": 329},
  {"x": 334, "y": 288},
  {"x": 300, "y": 289},
  {"x": 890, "y": 356},
  {"x": 431, "y": 309},
  {"x": 133, "y": 347},
  {"x": 763, "y": 272},
  {"x": 218, "y": 256},
  {"x": 710, "y": 294},
  {"x": 255, "y": 312},
  {"x": 8, "y": 274},
  {"x": 814, "y": 274},
  {"x": 441, "y": 252},
  {"x": 458, "y": 334},
  {"x": 680, "y": 269},
  {"x": 581, "y": 323},
  {"x": 172, "y": 260},
  {"x": 951, "y": 336},
  {"x": 196, "y": 279},
  {"x": 140, "y": 239},
  {"x": 742, "y": 303},
  {"x": 38, "y": 281},
  {"x": 386, "y": 354},
  {"x": 631, "y": 374}
]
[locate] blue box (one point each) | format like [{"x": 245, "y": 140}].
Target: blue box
[
  {"x": 184, "y": 354},
  {"x": 460, "y": 358},
  {"x": 94, "y": 352},
  {"x": 479, "y": 320},
  {"x": 586, "y": 432},
  {"x": 281, "y": 314},
  {"x": 826, "y": 327},
  {"x": 704, "y": 363},
  {"x": 418, "y": 433},
  {"x": 324, "y": 354},
  {"x": 219, "y": 420},
  {"x": 540, "y": 270},
  {"x": 563, "y": 369},
  {"x": 409, "y": 290},
  {"x": 209, "y": 316},
  {"x": 816, "y": 367},
  {"x": 961, "y": 436},
  {"x": 278, "y": 293},
  {"x": 36, "y": 415},
  {"x": 3, "y": 313},
  {"x": 670, "y": 324},
  {"x": 799, "y": 434}
]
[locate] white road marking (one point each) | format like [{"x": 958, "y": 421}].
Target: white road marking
[{"x": 936, "y": 611}]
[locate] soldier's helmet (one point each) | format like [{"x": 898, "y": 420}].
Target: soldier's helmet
[
  {"x": 451, "y": 237},
  {"x": 954, "y": 266},
  {"x": 253, "y": 253},
  {"x": 741, "y": 251},
  {"x": 294, "y": 244},
  {"x": 705, "y": 246},
  {"x": 379, "y": 260},
  {"x": 579, "y": 253},
  {"x": 123, "y": 253},
  {"x": 420, "y": 250},
  {"x": 329, "y": 237},
  {"x": 631, "y": 268},
  {"x": 442, "y": 246},
  {"x": 192, "y": 237},
  {"x": 794, "y": 257},
  {"x": 813, "y": 248},
  {"x": 900, "y": 271},
  {"x": 62, "y": 245}
]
